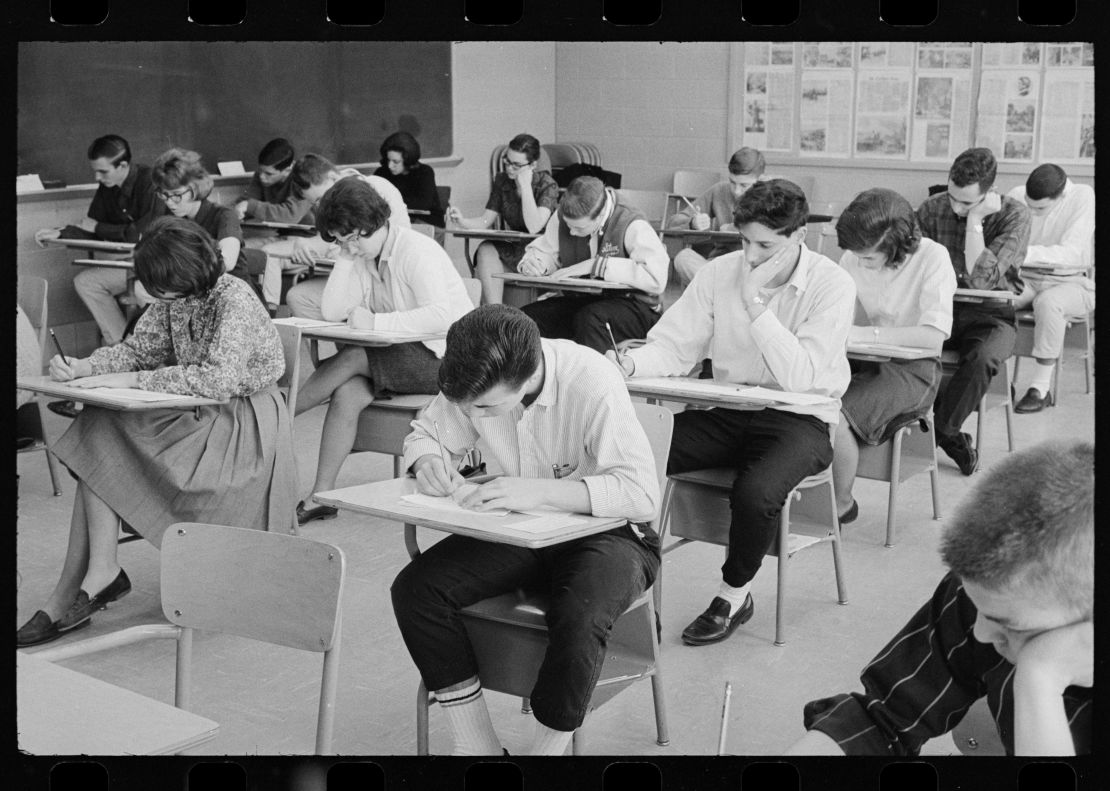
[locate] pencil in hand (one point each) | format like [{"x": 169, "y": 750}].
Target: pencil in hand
[{"x": 58, "y": 346}]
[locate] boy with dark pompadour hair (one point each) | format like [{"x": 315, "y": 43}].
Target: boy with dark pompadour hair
[
  {"x": 556, "y": 421},
  {"x": 1012, "y": 622}
]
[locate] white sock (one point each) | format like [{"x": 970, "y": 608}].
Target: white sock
[
  {"x": 1042, "y": 378},
  {"x": 548, "y": 741},
  {"x": 469, "y": 720},
  {"x": 734, "y": 596}
]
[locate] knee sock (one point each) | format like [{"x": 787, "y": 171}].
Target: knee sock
[
  {"x": 469, "y": 720},
  {"x": 548, "y": 741},
  {"x": 734, "y": 596},
  {"x": 1042, "y": 378}
]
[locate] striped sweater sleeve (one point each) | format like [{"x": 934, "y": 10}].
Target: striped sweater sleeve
[{"x": 918, "y": 687}]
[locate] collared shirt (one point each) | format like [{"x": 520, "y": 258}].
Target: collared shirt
[
  {"x": 797, "y": 344},
  {"x": 918, "y": 292},
  {"x": 646, "y": 267},
  {"x": 122, "y": 213},
  {"x": 925, "y": 679},
  {"x": 419, "y": 288},
  {"x": 505, "y": 199},
  {"x": 276, "y": 202},
  {"x": 1005, "y": 237},
  {"x": 1064, "y": 235},
  {"x": 582, "y": 420},
  {"x": 216, "y": 345}
]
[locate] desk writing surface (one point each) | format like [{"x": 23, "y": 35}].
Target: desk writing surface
[
  {"x": 63, "y": 712},
  {"x": 890, "y": 351},
  {"x": 563, "y": 284},
  {"x": 279, "y": 226},
  {"x": 385, "y": 499},
  {"x": 341, "y": 332},
  {"x": 106, "y": 263},
  {"x": 716, "y": 236},
  {"x": 712, "y": 393},
  {"x": 491, "y": 233},
  {"x": 123, "y": 399},
  {"x": 983, "y": 294},
  {"x": 94, "y": 244}
]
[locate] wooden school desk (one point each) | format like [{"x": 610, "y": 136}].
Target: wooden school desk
[
  {"x": 978, "y": 295},
  {"x": 884, "y": 352},
  {"x": 63, "y": 712},
  {"x": 295, "y": 228},
  {"x": 709, "y": 393},
  {"x": 690, "y": 237},
  {"x": 106, "y": 263},
  {"x": 383, "y": 499},
  {"x": 315, "y": 330},
  {"x": 533, "y": 284},
  {"x": 123, "y": 399},
  {"x": 95, "y": 245},
  {"x": 466, "y": 234}
]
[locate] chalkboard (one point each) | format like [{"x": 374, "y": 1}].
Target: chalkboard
[{"x": 226, "y": 99}]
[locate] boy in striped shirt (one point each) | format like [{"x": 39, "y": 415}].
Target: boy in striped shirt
[
  {"x": 1011, "y": 621},
  {"x": 554, "y": 419}
]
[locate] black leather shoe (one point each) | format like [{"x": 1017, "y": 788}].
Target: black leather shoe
[
  {"x": 714, "y": 624},
  {"x": 83, "y": 606},
  {"x": 1033, "y": 401},
  {"x": 40, "y": 629},
  {"x": 849, "y": 515},
  {"x": 306, "y": 515},
  {"x": 64, "y": 408},
  {"x": 960, "y": 451}
]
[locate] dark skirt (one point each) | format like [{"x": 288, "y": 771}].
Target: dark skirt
[
  {"x": 228, "y": 464},
  {"x": 403, "y": 368},
  {"x": 510, "y": 253},
  {"x": 880, "y": 395}
]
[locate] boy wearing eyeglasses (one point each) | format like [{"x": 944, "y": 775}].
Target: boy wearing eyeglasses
[{"x": 986, "y": 235}]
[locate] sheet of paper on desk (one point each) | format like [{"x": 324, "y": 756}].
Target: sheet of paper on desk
[
  {"x": 449, "y": 505},
  {"x": 682, "y": 385},
  {"x": 534, "y": 521},
  {"x": 137, "y": 395}
]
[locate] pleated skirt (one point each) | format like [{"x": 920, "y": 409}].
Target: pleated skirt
[
  {"x": 882, "y": 395},
  {"x": 228, "y": 464}
]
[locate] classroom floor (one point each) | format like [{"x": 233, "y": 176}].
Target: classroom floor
[{"x": 264, "y": 698}]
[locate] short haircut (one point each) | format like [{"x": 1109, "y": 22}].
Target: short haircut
[
  {"x": 277, "y": 154},
  {"x": 489, "y": 346},
  {"x": 179, "y": 168},
  {"x": 974, "y": 166},
  {"x": 350, "y": 205},
  {"x": 177, "y": 256},
  {"x": 308, "y": 171},
  {"x": 527, "y": 145},
  {"x": 1046, "y": 181},
  {"x": 747, "y": 161},
  {"x": 585, "y": 197},
  {"x": 882, "y": 219},
  {"x": 1029, "y": 525},
  {"x": 778, "y": 204},
  {"x": 111, "y": 147},
  {"x": 403, "y": 143}
]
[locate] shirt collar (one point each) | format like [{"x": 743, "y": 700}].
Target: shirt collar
[
  {"x": 800, "y": 277},
  {"x": 388, "y": 244},
  {"x": 548, "y": 393},
  {"x": 607, "y": 211}
]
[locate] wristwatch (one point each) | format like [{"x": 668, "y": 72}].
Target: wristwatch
[
  {"x": 977, "y": 227},
  {"x": 759, "y": 300}
]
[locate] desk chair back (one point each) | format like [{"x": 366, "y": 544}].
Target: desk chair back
[
  {"x": 272, "y": 587},
  {"x": 693, "y": 183},
  {"x": 33, "y": 293},
  {"x": 696, "y": 508},
  {"x": 509, "y": 635},
  {"x": 289, "y": 382},
  {"x": 977, "y": 732}
]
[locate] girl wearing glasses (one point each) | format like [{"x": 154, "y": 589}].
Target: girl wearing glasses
[
  {"x": 229, "y": 463},
  {"x": 401, "y": 166},
  {"x": 184, "y": 185},
  {"x": 524, "y": 198}
]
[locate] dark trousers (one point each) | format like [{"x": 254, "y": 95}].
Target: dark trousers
[
  {"x": 771, "y": 451},
  {"x": 582, "y": 319},
  {"x": 591, "y": 581},
  {"x": 984, "y": 339}
]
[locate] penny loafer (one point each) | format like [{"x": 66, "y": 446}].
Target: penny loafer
[
  {"x": 849, "y": 515},
  {"x": 64, "y": 408},
  {"x": 40, "y": 629},
  {"x": 306, "y": 515},
  {"x": 714, "y": 624},
  {"x": 84, "y": 606},
  {"x": 1033, "y": 401},
  {"x": 959, "y": 449}
]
